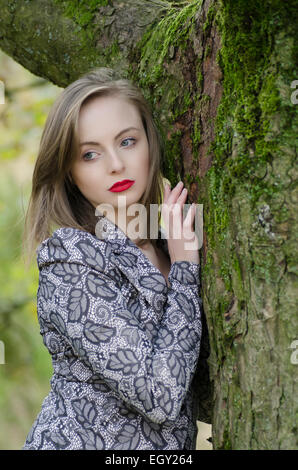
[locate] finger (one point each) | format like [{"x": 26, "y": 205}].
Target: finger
[
  {"x": 167, "y": 217},
  {"x": 177, "y": 220},
  {"x": 172, "y": 218},
  {"x": 182, "y": 198},
  {"x": 172, "y": 212},
  {"x": 188, "y": 221},
  {"x": 171, "y": 224},
  {"x": 167, "y": 191},
  {"x": 175, "y": 193}
]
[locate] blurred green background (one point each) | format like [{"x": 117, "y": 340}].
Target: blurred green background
[{"x": 25, "y": 369}]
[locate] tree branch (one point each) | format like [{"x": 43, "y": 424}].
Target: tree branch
[{"x": 61, "y": 40}]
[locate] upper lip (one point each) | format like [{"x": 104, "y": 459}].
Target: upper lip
[{"x": 120, "y": 183}]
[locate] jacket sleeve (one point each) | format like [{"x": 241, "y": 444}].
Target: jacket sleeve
[{"x": 151, "y": 375}]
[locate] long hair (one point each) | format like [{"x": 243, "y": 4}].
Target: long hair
[{"x": 55, "y": 200}]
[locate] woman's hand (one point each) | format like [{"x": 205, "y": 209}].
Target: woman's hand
[{"x": 183, "y": 243}]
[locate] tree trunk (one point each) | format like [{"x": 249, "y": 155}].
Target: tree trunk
[{"x": 218, "y": 75}]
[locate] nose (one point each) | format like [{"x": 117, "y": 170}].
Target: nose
[{"x": 114, "y": 162}]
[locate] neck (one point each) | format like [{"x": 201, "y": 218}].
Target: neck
[{"x": 133, "y": 226}]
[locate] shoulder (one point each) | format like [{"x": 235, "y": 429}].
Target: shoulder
[{"x": 72, "y": 245}]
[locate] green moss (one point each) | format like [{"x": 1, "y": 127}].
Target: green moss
[
  {"x": 82, "y": 12},
  {"x": 225, "y": 274},
  {"x": 200, "y": 80},
  {"x": 255, "y": 132},
  {"x": 171, "y": 32},
  {"x": 187, "y": 179},
  {"x": 196, "y": 139},
  {"x": 218, "y": 214},
  {"x": 173, "y": 147},
  {"x": 251, "y": 96},
  {"x": 161, "y": 89},
  {"x": 113, "y": 50},
  {"x": 208, "y": 51},
  {"x": 236, "y": 266},
  {"x": 244, "y": 117},
  {"x": 210, "y": 17}
]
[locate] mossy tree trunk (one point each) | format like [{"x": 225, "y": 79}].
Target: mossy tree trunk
[{"x": 218, "y": 75}]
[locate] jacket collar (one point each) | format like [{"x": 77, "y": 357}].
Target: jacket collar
[
  {"x": 120, "y": 251},
  {"x": 129, "y": 258}
]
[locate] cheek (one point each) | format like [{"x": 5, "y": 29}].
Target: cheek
[
  {"x": 76, "y": 172},
  {"x": 84, "y": 172},
  {"x": 85, "y": 176},
  {"x": 145, "y": 158}
]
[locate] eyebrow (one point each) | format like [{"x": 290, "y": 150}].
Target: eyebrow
[{"x": 118, "y": 135}]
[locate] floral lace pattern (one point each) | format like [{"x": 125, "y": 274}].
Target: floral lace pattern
[{"x": 124, "y": 345}]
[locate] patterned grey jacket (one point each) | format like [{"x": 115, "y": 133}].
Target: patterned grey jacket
[{"x": 124, "y": 345}]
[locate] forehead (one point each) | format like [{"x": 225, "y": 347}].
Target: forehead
[{"x": 108, "y": 111}]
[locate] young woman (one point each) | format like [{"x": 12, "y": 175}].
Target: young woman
[{"x": 119, "y": 314}]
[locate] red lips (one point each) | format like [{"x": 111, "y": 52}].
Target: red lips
[{"x": 121, "y": 186}]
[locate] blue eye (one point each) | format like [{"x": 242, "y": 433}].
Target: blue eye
[
  {"x": 129, "y": 138},
  {"x": 87, "y": 159},
  {"x": 85, "y": 155}
]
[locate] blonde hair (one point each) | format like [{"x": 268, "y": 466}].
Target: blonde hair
[{"x": 55, "y": 200}]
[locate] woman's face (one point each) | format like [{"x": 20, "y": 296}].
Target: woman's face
[{"x": 110, "y": 152}]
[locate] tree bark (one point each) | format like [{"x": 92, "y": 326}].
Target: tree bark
[{"x": 218, "y": 76}]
